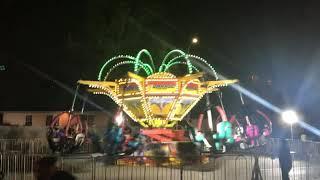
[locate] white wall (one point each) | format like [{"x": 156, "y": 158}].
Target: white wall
[
  {"x": 39, "y": 118},
  {"x": 19, "y": 118}
]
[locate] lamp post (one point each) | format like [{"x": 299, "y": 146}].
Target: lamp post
[
  {"x": 194, "y": 41},
  {"x": 290, "y": 117}
]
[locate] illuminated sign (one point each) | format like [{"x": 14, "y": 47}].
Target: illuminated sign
[{"x": 161, "y": 86}]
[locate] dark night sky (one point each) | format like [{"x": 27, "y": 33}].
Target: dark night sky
[{"x": 69, "y": 40}]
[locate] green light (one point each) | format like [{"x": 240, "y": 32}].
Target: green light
[
  {"x": 189, "y": 65},
  {"x": 206, "y": 63},
  {"x": 125, "y": 63},
  {"x": 178, "y": 62},
  {"x": 147, "y": 66},
  {"x": 111, "y": 60},
  {"x": 149, "y": 69},
  {"x": 138, "y": 60},
  {"x": 167, "y": 56}
]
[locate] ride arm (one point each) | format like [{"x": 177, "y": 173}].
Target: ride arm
[
  {"x": 97, "y": 84},
  {"x": 214, "y": 85}
]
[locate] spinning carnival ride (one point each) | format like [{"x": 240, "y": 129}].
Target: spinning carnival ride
[
  {"x": 156, "y": 100},
  {"x": 159, "y": 100}
]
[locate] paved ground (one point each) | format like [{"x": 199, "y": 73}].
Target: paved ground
[{"x": 223, "y": 168}]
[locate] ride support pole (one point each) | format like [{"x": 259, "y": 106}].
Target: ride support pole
[{"x": 74, "y": 98}]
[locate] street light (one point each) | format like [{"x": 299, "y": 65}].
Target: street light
[
  {"x": 290, "y": 117},
  {"x": 194, "y": 41}
]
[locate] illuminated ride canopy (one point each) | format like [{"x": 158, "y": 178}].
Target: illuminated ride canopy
[{"x": 160, "y": 99}]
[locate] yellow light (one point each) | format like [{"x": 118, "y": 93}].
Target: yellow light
[{"x": 153, "y": 113}]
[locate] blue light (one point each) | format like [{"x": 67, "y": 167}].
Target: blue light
[
  {"x": 309, "y": 127},
  {"x": 262, "y": 101},
  {"x": 256, "y": 98}
]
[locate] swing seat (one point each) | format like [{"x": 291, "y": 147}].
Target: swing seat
[{"x": 56, "y": 140}]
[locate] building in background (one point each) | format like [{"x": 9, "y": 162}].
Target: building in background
[{"x": 44, "y": 118}]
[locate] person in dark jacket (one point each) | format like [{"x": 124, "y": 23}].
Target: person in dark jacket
[
  {"x": 2, "y": 175},
  {"x": 62, "y": 175},
  {"x": 285, "y": 159},
  {"x": 45, "y": 168}
]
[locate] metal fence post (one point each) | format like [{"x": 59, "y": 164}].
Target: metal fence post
[
  {"x": 32, "y": 158},
  {"x": 93, "y": 168},
  {"x": 15, "y": 166},
  {"x": 307, "y": 160},
  {"x": 181, "y": 172},
  {"x": 62, "y": 162},
  {"x": 24, "y": 167}
]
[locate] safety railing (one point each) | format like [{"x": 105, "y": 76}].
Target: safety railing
[
  {"x": 33, "y": 146},
  {"x": 216, "y": 167},
  {"x": 40, "y": 146}
]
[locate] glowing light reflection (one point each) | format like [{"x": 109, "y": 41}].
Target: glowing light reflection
[
  {"x": 262, "y": 101},
  {"x": 309, "y": 127}
]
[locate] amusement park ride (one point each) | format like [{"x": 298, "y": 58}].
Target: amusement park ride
[
  {"x": 159, "y": 102},
  {"x": 66, "y": 133}
]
